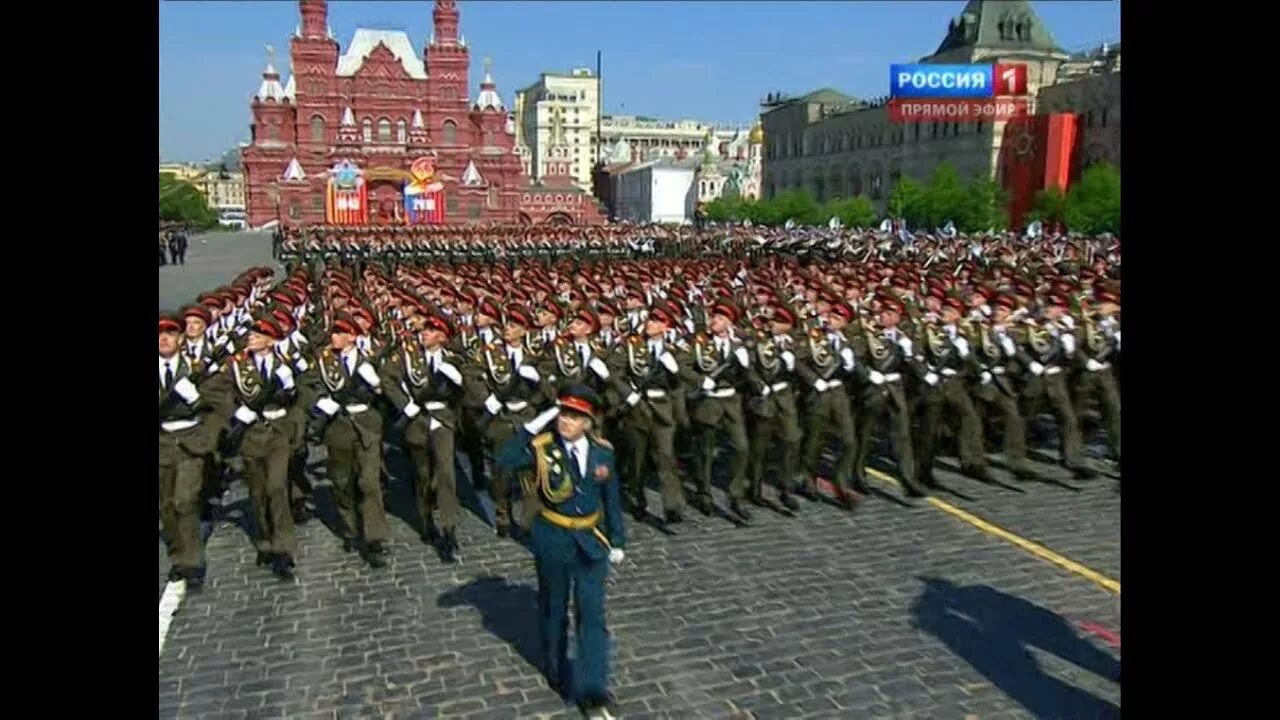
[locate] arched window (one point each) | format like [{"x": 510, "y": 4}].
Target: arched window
[
  {"x": 317, "y": 129},
  {"x": 450, "y": 132},
  {"x": 384, "y": 130},
  {"x": 366, "y": 130},
  {"x": 493, "y": 197},
  {"x": 402, "y": 131}
]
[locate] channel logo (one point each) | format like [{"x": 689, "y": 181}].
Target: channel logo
[{"x": 925, "y": 80}]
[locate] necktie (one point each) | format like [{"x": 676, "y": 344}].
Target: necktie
[
  {"x": 431, "y": 362},
  {"x": 346, "y": 361},
  {"x": 262, "y": 368},
  {"x": 168, "y": 375},
  {"x": 573, "y": 455}
]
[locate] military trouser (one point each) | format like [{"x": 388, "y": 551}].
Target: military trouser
[
  {"x": 181, "y": 480},
  {"x": 949, "y": 396},
  {"x": 831, "y": 412},
  {"x": 1053, "y": 387},
  {"x": 713, "y": 416},
  {"x": 888, "y": 401},
  {"x": 501, "y": 485},
  {"x": 266, "y": 464},
  {"x": 999, "y": 394},
  {"x": 300, "y": 488},
  {"x": 651, "y": 446},
  {"x": 779, "y": 435},
  {"x": 436, "y": 481},
  {"x": 353, "y": 464},
  {"x": 471, "y": 441},
  {"x": 1102, "y": 384}
]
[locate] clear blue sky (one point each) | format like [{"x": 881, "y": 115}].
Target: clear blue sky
[{"x": 710, "y": 61}]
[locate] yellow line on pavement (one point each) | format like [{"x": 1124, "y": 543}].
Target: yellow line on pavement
[{"x": 1036, "y": 549}]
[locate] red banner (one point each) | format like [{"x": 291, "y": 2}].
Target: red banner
[{"x": 346, "y": 196}]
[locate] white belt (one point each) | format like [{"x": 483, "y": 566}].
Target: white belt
[
  {"x": 947, "y": 372},
  {"x": 517, "y": 405},
  {"x": 176, "y": 425},
  {"x": 1105, "y": 366},
  {"x": 356, "y": 409},
  {"x": 1053, "y": 370},
  {"x": 997, "y": 370},
  {"x": 892, "y": 377},
  {"x": 274, "y": 414},
  {"x": 654, "y": 393},
  {"x": 834, "y": 383},
  {"x": 435, "y": 406},
  {"x": 780, "y": 386},
  {"x": 722, "y": 393}
]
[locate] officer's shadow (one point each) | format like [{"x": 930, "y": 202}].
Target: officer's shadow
[
  {"x": 508, "y": 610},
  {"x": 994, "y": 632}
]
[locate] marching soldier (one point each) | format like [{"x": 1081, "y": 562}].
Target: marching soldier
[
  {"x": 774, "y": 418},
  {"x": 192, "y": 410},
  {"x": 577, "y": 533},
  {"x": 425, "y": 384},
  {"x": 944, "y": 367},
  {"x": 826, "y": 363},
  {"x": 352, "y": 433},
  {"x": 645, "y": 377},
  {"x": 993, "y": 352},
  {"x": 263, "y": 432},
  {"x": 508, "y": 372},
  {"x": 719, "y": 365},
  {"x": 1093, "y": 377},
  {"x": 888, "y": 355}
]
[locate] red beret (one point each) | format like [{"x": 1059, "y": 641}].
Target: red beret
[
  {"x": 199, "y": 311},
  {"x": 344, "y": 323},
  {"x": 439, "y": 322},
  {"x": 589, "y": 318},
  {"x": 1056, "y": 300},
  {"x": 1006, "y": 300},
  {"x": 891, "y": 304},
  {"x": 954, "y": 302},
  {"x": 489, "y": 309},
  {"x": 264, "y": 325},
  {"x": 844, "y": 311},
  {"x": 169, "y": 323},
  {"x": 283, "y": 317},
  {"x": 662, "y": 312},
  {"x": 519, "y": 315},
  {"x": 723, "y": 307},
  {"x": 783, "y": 315},
  {"x": 364, "y": 313}
]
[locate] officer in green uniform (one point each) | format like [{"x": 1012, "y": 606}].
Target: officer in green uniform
[
  {"x": 644, "y": 374},
  {"x": 576, "y": 534},
  {"x": 775, "y": 424},
  {"x": 995, "y": 354},
  {"x": 263, "y": 430},
  {"x": 944, "y": 368},
  {"x": 1094, "y": 375},
  {"x": 887, "y": 353},
  {"x": 192, "y": 412},
  {"x": 353, "y": 436},
  {"x": 424, "y": 383}
]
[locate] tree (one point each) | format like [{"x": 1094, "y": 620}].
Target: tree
[
  {"x": 906, "y": 201},
  {"x": 180, "y": 201},
  {"x": 945, "y": 197},
  {"x": 853, "y": 212},
  {"x": 1093, "y": 204},
  {"x": 986, "y": 206},
  {"x": 1050, "y": 206}
]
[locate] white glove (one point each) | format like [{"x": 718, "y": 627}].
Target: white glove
[
  {"x": 846, "y": 353},
  {"x": 286, "y": 377},
  {"x": 529, "y": 372},
  {"x": 450, "y": 372},
  {"x": 708, "y": 384},
  {"x": 1068, "y": 321},
  {"x": 433, "y": 425},
  {"x": 492, "y": 405},
  {"x": 765, "y": 392},
  {"x": 1069, "y": 344},
  {"x": 327, "y": 406},
  {"x": 412, "y": 409},
  {"x": 820, "y": 385},
  {"x": 1007, "y": 344},
  {"x": 1093, "y": 365},
  {"x": 633, "y": 398},
  {"x": 789, "y": 358},
  {"x": 905, "y": 344},
  {"x": 962, "y": 346},
  {"x": 1036, "y": 368},
  {"x": 598, "y": 367},
  {"x": 876, "y": 377},
  {"x": 1117, "y": 336},
  {"x": 931, "y": 378},
  {"x": 187, "y": 391},
  {"x": 616, "y": 556},
  {"x": 743, "y": 358},
  {"x": 245, "y": 415},
  {"x": 986, "y": 377},
  {"x": 370, "y": 375},
  {"x": 669, "y": 362},
  {"x": 302, "y": 364},
  {"x": 536, "y": 425}
]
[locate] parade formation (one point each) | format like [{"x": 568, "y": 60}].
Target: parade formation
[{"x": 678, "y": 348}]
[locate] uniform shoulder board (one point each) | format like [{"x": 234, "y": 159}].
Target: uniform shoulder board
[
  {"x": 242, "y": 356},
  {"x": 700, "y": 338},
  {"x": 635, "y": 339},
  {"x": 599, "y": 440},
  {"x": 562, "y": 341},
  {"x": 543, "y": 440},
  {"x": 815, "y": 333}
]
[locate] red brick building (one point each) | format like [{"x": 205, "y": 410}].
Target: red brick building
[{"x": 380, "y": 107}]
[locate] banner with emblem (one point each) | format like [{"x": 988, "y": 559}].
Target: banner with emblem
[
  {"x": 423, "y": 194},
  {"x": 346, "y": 196}
]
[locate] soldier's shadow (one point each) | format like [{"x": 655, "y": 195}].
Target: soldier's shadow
[
  {"x": 509, "y": 611},
  {"x": 994, "y": 632}
]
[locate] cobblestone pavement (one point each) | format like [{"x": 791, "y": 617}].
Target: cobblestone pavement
[
  {"x": 213, "y": 259},
  {"x": 893, "y": 612}
]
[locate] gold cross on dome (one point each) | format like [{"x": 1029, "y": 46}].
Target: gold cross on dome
[
  {"x": 488, "y": 63},
  {"x": 271, "y": 53}
]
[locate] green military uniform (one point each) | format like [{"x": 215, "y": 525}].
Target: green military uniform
[
  {"x": 943, "y": 372},
  {"x": 994, "y": 354},
  {"x": 825, "y": 364},
  {"x": 887, "y": 356},
  {"x": 1042, "y": 354},
  {"x": 1093, "y": 373},
  {"x": 774, "y": 419}
]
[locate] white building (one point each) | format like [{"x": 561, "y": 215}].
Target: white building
[
  {"x": 559, "y": 110},
  {"x": 650, "y": 138},
  {"x": 660, "y": 191}
]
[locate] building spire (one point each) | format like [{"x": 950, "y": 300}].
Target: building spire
[
  {"x": 270, "y": 89},
  {"x": 489, "y": 98},
  {"x": 315, "y": 18},
  {"x": 445, "y": 22}
]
